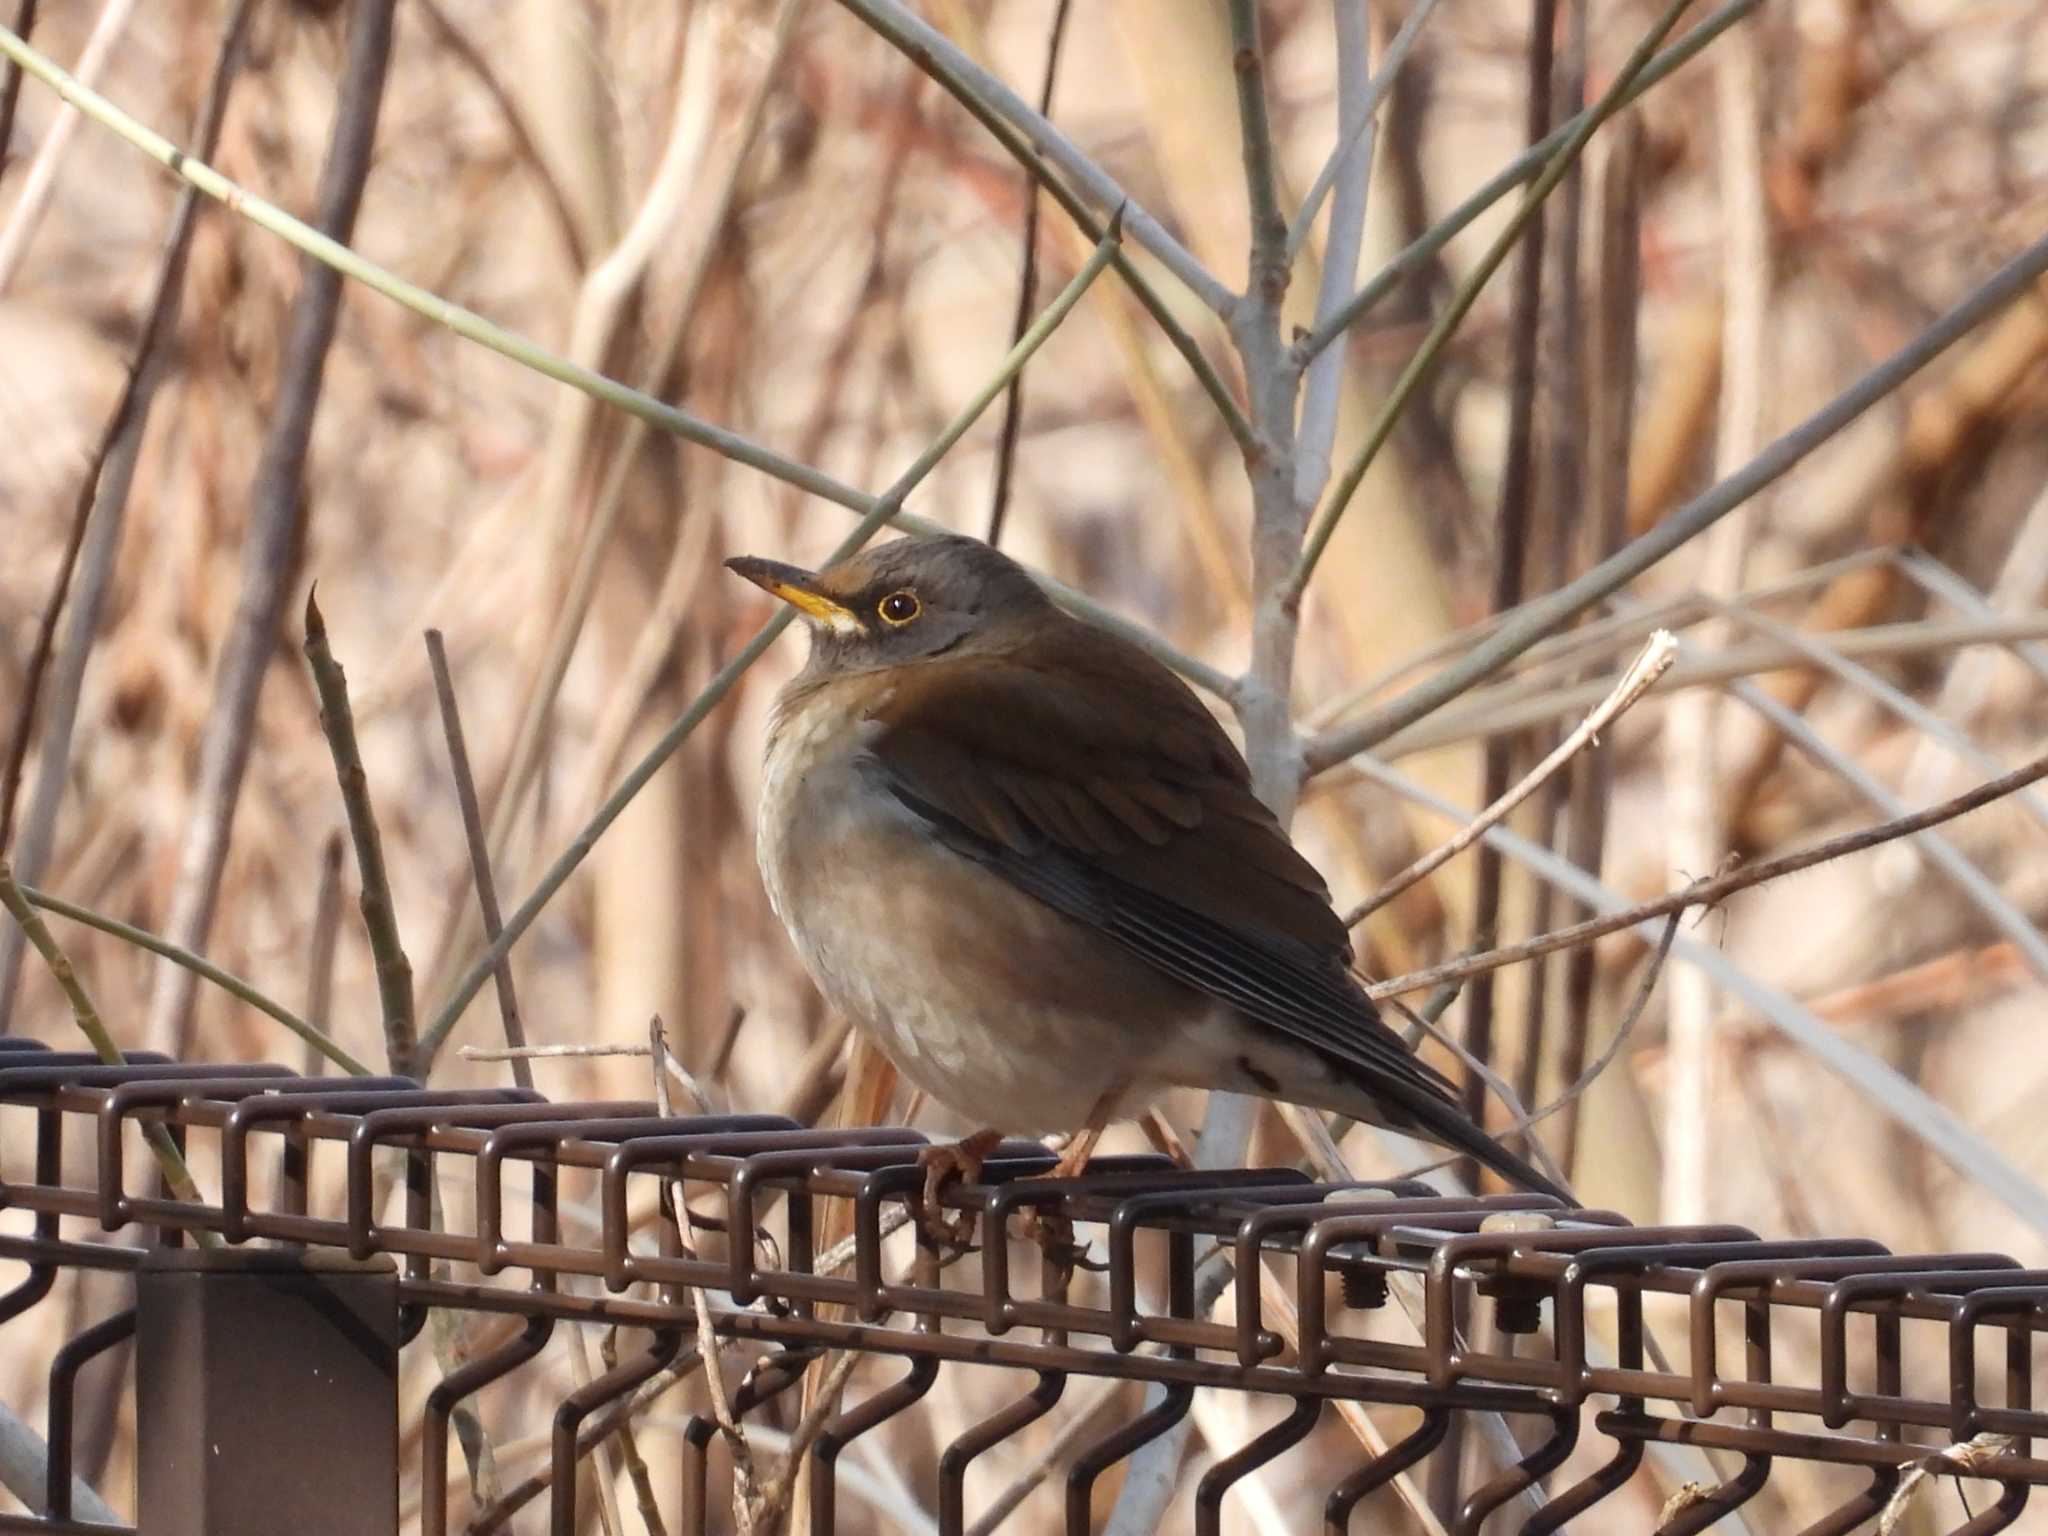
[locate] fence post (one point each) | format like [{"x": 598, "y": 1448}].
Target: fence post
[{"x": 266, "y": 1393}]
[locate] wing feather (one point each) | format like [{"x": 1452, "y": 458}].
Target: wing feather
[{"x": 1125, "y": 805}]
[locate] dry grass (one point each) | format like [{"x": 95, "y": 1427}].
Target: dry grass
[{"x": 861, "y": 287}]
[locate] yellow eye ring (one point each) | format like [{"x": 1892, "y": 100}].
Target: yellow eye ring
[{"x": 899, "y": 608}]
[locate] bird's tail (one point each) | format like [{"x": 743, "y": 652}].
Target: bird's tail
[{"x": 1443, "y": 1122}]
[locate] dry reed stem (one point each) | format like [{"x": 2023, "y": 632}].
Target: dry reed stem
[
  {"x": 1695, "y": 829},
  {"x": 103, "y": 491},
  {"x": 278, "y": 509}
]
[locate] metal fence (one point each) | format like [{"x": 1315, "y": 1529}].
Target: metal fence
[{"x": 248, "y": 1355}]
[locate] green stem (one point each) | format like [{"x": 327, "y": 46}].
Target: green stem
[
  {"x": 200, "y": 966},
  {"x": 380, "y": 915},
  {"x": 177, "y": 1176}
]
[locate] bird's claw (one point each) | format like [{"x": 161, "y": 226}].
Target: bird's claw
[
  {"x": 951, "y": 1232},
  {"x": 1054, "y": 1236}
]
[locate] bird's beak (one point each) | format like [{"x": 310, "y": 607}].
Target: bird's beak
[{"x": 799, "y": 588}]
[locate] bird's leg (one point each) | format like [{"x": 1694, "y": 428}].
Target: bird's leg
[
  {"x": 1055, "y": 1234},
  {"x": 960, "y": 1160},
  {"x": 1074, "y": 1156}
]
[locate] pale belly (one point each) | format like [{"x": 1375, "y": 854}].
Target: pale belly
[{"x": 1000, "y": 1008}]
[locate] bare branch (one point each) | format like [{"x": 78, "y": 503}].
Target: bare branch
[
  {"x": 1641, "y": 676},
  {"x": 1027, "y": 292},
  {"x": 1413, "y": 372},
  {"x": 1540, "y": 617},
  {"x": 380, "y": 916},
  {"x": 479, "y": 854},
  {"x": 277, "y": 517},
  {"x": 927, "y": 46},
  {"x": 1711, "y": 890},
  {"x": 1523, "y": 168}
]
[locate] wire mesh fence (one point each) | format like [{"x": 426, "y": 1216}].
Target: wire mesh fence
[{"x": 1583, "y": 1332}]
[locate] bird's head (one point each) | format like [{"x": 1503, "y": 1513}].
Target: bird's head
[{"x": 904, "y": 602}]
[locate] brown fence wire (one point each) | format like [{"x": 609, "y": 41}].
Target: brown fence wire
[{"x": 304, "y": 1165}]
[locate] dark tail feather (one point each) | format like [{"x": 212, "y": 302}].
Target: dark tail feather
[{"x": 1446, "y": 1125}]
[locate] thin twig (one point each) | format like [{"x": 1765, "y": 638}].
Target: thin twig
[
  {"x": 1524, "y": 168},
  {"x": 629, "y": 1448},
  {"x": 744, "y": 1487},
  {"x": 530, "y": 1053},
  {"x": 199, "y": 966},
  {"x": 1638, "y": 1005},
  {"x": 776, "y": 1492},
  {"x": 668, "y": 1067},
  {"x": 1712, "y": 890},
  {"x": 1027, "y": 292},
  {"x": 1642, "y": 674},
  {"x": 547, "y": 1052},
  {"x": 933, "y": 51},
  {"x": 177, "y": 1176},
  {"x": 884, "y": 507},
  {"x": 10, "y": 94},
  {"x": 1268, "y": 277},
  {"x": 910, "y": 36},
  {"x": 1468, "y": 291},
  {"x": 326, "y": 937},
  {"x": 380, "y": 915},
  {"x": 1358, "y": 131},
  {"x": 479, "y": 853},
  {"x": 1536, "y": 619},
  {"x": 1966, "y": 1459}
]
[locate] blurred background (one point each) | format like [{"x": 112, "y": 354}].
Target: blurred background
[{"x": 1765, "y": 227}]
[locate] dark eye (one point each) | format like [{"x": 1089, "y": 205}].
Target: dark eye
[{"x": 899, "y": 607}]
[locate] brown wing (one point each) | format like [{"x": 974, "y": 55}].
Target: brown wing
[{"x": 1092, "y": 778}]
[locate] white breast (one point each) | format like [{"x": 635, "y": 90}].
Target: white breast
[{"x": 938, "y": 959}]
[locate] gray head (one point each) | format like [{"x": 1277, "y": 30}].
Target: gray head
[{"x": 906, "y": 601}]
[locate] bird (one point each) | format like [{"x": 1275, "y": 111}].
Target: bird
[{"x": 1021, "y": 854}]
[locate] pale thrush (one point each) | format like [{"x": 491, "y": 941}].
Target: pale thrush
[{"x": 1021, "y": 854}]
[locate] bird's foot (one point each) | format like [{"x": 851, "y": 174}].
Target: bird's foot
[
  {"x": 960, "y": 1160},
  {"x": 1054, "y": 1235}
]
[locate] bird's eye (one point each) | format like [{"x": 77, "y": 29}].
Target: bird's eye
[{"x": 899, "y": 607}]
